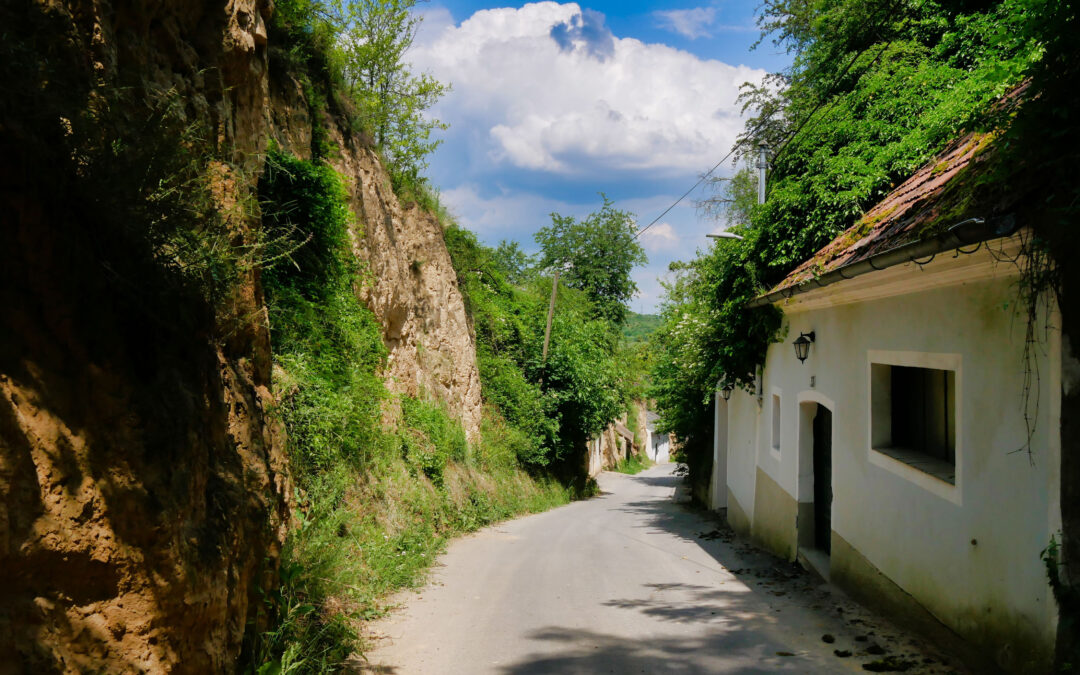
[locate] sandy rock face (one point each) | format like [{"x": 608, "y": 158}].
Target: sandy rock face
[
  {"x": 143, "y": 487},
  {"x": 409, "y": 282},
  {"x": 144, "y": 490},
  {"x": 414, "y": 293}
]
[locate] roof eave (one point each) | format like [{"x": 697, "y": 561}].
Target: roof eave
[{"x": 964, "y": 233}]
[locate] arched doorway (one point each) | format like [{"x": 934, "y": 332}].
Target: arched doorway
[
  {"x": 822, "y": 465},
  {"x": 815, "y": 476}
]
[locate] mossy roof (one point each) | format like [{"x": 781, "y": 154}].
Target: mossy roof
[
  {"x": 936, "y": 197},
  {"x": 964, "y": 180}
]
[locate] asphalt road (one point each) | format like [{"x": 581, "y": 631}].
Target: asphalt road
[{"x": 628, "y": 582}]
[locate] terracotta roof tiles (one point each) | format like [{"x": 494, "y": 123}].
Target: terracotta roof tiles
[{"x": 929, "y": 201}]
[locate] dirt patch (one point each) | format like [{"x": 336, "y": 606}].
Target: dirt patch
[{"x": 848, "y": 633}]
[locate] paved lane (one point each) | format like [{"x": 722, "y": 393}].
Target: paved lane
[{"x": 623, "y": 583}]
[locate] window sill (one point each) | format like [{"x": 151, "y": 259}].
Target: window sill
[
  {"x": 938, "y": 468},
  {"x": 932, "y": 474}
]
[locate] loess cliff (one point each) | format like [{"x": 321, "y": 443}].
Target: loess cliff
[
  {"x": 409, "y": 280},
  {"x": 144, "y": 489}
]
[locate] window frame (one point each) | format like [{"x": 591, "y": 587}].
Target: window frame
[{"x": 892, "y": 459}]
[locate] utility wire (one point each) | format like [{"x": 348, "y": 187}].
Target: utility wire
[
  {"x": 785, "y": 143},
  {"x": 692, "y": 188}
]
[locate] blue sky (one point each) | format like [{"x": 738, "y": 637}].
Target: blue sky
[{"x": 553, "y": 103}]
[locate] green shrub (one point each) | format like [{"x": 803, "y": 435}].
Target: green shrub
[
  {"x": 633, "y": 464},
  {"x": 557, "y": 404},
  {"x": 430, "y": 438},
  {"x": 327, "y": 344},
  {"x": 502, "y": 446},
  {"x": 304, "y": 636},
  {"x": 305, "y": 205},
  {"x": 328, "y": 353}
]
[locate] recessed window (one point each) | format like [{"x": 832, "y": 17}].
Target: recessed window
[{"x": 913, "y": 417}]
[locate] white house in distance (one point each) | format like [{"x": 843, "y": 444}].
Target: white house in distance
[
  {"x": 913, "y": 457},
  {"x": 659, "y": 445}
]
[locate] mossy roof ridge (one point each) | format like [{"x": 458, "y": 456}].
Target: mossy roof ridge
[
  {"x": 963, "y": 180},
  {"x": 915, "y": 210}
]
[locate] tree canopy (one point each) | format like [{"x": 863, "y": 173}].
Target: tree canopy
[
  {"x": 557, "y": 404},
  {"x": 360, "y": 46},
  {"x": 597, "y": 255}
]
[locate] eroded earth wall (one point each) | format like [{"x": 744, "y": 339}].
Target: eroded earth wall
[
  {"x": 144, "y": 491},
  {"x": 408, "y": 280}
]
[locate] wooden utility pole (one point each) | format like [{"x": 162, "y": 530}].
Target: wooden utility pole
[{"x": 762, "y": 165}]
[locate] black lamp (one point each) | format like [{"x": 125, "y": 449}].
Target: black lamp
[
  {"x": 802, "y": 345},
  {"x": 726, "y": 390}
]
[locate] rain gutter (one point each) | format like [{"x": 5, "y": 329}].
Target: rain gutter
[{"x": 964, "y": 233}]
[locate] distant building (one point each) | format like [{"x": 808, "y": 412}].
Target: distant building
[
  {"x": 913, "y": 456},
  {"x": 614, "y": 444},
  {"x": 659, "y": 445}
]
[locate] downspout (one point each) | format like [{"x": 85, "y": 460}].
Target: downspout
[{"x": 964, "y": 233}]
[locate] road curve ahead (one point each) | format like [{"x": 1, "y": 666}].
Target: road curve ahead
[{"x": 628, "y": 582}]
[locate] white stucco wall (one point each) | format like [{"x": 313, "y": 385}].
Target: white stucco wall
[
  {"x": 964, "y": 552},
  {"x": 660, "y": 450},
  {"x": 718, "y": 486},
  {"x": 743, "y": 416}
]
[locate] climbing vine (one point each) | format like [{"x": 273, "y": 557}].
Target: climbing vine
[{"x": 875, "y": 91}]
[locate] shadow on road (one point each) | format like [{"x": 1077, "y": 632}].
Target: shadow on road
[
  {"x": 740, "y": 614},
  {"x": 359, "y": 665},
  {"x": 687, "y": 602},
  {"x": 668, "y": 481},
  {"x": 583, "y": 651}
]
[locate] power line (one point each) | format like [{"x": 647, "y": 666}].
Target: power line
[
  {"x": 786, "y": 142},
  {"x": 694, "y": 187}
]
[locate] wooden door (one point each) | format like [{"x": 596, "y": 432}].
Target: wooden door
[{"x": 823, "y": 478}]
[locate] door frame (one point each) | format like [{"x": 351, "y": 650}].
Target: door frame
[{"x": 804, "y": 481}]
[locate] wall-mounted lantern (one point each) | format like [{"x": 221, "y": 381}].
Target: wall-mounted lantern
[
  {"x": 726, "y": 390},
  {"x": 802, "y": 345}
]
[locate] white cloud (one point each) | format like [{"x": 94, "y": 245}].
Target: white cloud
[
  {"x": 550, "y": 89},
  {"x": 690, "y": 23},
  {"x": 511, "y": 215},
  {"x": 660, "y": 237}
]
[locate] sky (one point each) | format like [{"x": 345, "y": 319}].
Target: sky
[{"x": 554, "y": 103}]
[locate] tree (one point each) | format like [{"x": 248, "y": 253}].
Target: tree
[
  {"x": 375, "y": 37},
  {"x": 514, "y": 262},
  {"x": 586, "y": 378},
  {"x": 732, "y": 199},
  {"x": 596, "y": 255}
]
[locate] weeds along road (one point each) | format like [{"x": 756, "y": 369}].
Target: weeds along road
[{"x": 628, "y": 582}]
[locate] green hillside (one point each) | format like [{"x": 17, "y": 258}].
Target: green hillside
[{"x": 639, "y": 327}]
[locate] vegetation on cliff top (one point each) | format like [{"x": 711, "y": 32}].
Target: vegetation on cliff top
[{"x": 351, "y": 55}]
